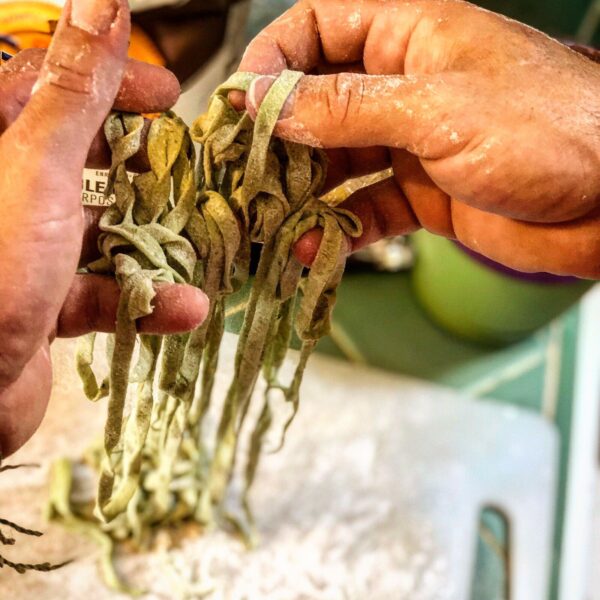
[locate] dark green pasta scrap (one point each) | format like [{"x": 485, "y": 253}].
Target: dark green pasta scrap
[
  {"x": 8, "y": 540},
  {"x": 162, "y": 462}
]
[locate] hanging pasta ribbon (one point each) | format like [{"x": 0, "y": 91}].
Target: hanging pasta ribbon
[{"x": 170, "y": 225}]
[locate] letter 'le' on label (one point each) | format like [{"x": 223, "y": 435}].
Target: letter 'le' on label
[{"x": 92, "y": 188}]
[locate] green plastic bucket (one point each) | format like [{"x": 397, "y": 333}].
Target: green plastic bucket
[{"x": 481, "y": 301}]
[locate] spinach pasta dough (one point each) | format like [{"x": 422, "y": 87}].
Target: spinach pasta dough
[{"x": 178, "y": 223}]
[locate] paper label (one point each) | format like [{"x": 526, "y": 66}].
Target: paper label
[{"x": 93, "y": 186}]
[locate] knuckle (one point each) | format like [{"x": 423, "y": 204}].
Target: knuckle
[
  {"x": 29, "y": 59},
  {"x": 67, "y": 77},
  {"x": 345, "y": 97}
]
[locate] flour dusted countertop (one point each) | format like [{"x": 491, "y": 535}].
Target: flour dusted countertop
[{"x": 375, "y": 495}]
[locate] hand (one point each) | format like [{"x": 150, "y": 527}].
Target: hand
[
  {"x": 43, "y": 149},
  {"x": 491, "y": 127}
]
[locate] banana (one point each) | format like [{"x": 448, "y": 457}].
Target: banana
[
  {"x": 16, "y": 17},
  {"x": 30, "y": 24}
]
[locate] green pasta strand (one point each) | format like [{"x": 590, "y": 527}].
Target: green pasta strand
[
  {"x": 193, "y": 220},
  {"x": 8, "y": 540}
]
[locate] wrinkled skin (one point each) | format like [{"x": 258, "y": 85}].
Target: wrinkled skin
[
  {"x": 44, "y": 233},
  {"x": 491, "y": 127},
  {"x": 493, "y": 131}
]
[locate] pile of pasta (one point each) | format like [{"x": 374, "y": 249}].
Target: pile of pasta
[{"x": 193, "y": 219}]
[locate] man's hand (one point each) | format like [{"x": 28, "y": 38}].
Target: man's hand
[
  {"x": 52, "y": 107},
  {"x": 491, "y": 127}
]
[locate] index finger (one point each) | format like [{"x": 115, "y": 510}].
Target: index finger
[
  {"x": 291, "y": 41},
  {"x": 344, "y": 33},
  {"x": 311, "y": 32},
  {"x": 145, "y": 88},
  {"x": 273, "y": 50}
]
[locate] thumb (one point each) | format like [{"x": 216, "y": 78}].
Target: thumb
[
  {"x": 40, "y": 186},
  {"x": 78, "y": 82},
  {"x": 356, "y": 110}
]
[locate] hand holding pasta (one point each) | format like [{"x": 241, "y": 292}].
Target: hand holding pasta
[
  {"x": 44, "y": 142},
  {"x": 166, "y": 458},
  {"x": 491, "y": 127}
]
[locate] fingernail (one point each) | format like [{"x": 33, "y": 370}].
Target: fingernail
[
  {"x": 256, "y": 94},
  {"x": 94, "y": 16}
]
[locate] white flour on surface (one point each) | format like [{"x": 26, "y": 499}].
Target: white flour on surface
[{"x": 335, "y": 508}]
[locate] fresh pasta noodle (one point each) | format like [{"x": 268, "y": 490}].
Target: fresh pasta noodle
[{"x": 182, "y": 223}]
